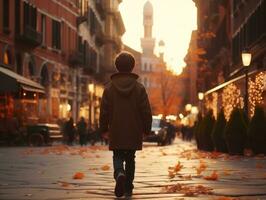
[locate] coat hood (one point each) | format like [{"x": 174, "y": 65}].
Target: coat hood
[{"x": 124, "y": 83}]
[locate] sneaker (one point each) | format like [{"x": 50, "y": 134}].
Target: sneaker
[{"x": 120, "y": 185}]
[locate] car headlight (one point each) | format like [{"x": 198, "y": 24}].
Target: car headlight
[{"x": 156, "y": 132}]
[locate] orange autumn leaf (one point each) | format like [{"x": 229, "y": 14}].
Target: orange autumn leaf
[
  {"x": 188, "y": 190},
  {"x": 64, "y": 184},
  {"x": 202, "y": 167},
  {"x": 259, "y": 165},
  {"x": 212, "y": 177},
  {"x": 226, "y": 198},
  {"x": 226, "y": 173},
  {"x": 78, "y": 175},
  {"x": 171, "y": 174},
  {"x": 105, "y": 167},
  {"x": 163, "y": 153},
  {"x": 178, "y": 167}
]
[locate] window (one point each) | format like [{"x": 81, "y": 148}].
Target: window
[
  {"x": 43, "y": 29},
  {"x": 30, "y": 16},
  {"x": 145, "y": 67},
  {"x": 56, "y": 34},
  {"x": 150, "y": 66},
  {"x": 6, "y": 58},
  {"x": 6, "y": 15}
]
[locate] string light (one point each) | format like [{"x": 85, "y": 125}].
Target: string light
[
  {"x": 231, "y": 98},
  {"x": 255, "y": 91}
]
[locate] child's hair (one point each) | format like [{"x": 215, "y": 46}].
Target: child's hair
[{"x": 124, "y": 62}]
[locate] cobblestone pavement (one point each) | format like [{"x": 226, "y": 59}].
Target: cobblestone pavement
[{"x": 177, "y": 171}]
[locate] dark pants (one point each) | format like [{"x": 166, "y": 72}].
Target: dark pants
[{"x": 127, "y": 156}]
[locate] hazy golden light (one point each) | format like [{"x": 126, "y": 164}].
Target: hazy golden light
[{"x": 173, "y": 22}]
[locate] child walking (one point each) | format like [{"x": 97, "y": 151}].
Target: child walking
[{"x": 125, "y": 116}]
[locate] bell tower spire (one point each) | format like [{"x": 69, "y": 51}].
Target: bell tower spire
[{"x": 148, "y": 42}]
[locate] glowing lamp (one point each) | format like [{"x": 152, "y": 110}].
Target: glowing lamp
[
  {"x": 246, "y": 58},
  {"x": 200, "y": 95}
]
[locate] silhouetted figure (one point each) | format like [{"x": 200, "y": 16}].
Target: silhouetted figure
[
  {"x": 82, "y": 131},
  {"x": 70, "y": 131},
  {"x": 125, "y": 116}
]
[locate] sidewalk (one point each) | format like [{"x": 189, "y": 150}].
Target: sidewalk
[{"x": 177, "y": 171}]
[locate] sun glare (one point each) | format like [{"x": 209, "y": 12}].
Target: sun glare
[{"x": 173, "y": 22}]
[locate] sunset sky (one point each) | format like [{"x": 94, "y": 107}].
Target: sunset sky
[{"x": 173, "y": 22}]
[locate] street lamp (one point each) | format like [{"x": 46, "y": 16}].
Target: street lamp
[
  {"x": 201, "y": 97},
  {"x": 91, "y": 91},
  {"x": 246, "y": 59}
]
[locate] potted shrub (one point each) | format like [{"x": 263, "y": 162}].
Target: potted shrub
[
  {"x": 257, "y": 131},
  {"x": 236, "y": 133},
  {"x": 205, "y": 131},
  {"x": 218, "y": 133}
]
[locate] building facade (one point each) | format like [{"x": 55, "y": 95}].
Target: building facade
[
  {"x": 158, "y": 81},
  {"x": 225, "y": 29},
  {"x": 64, "y": 47}
]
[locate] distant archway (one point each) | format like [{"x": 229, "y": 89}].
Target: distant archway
[
  {"x": 44, "y": 76},
  {"x": 29, "y": 65}
]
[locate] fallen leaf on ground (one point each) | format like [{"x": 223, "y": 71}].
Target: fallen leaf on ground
[
  {"x": 259, "y": 165},
  {"x": 226, "y": 173},
  {"x": 64, "y": 184},
  {"x": 188, "y": 190},
  {"x": 226, "y": 198},
  {"x": 212, "y": 177},
  {"x": 105, "y": 167},
  {"x": 178, "y": 167},
  {"x": 202, "y": 167},
  {"x": 78, "y": 175},
  {"x": 171, "y": 174}
]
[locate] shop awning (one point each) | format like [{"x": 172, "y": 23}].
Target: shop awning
[{"x": 12, "y": 82}]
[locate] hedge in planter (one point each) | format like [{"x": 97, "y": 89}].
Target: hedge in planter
[
  {"x": 218, "y": 133},
  {"x": 236, "y": 133},
  {"x": 205, "y": 131},
  {"x": 257, "y": 131}
]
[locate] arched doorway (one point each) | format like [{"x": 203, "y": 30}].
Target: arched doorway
[
  {"x": 44, "y": 76},
  {"x": 29, "y": 66}
]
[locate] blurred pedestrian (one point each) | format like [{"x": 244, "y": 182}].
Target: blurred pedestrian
[
  {"x": 82, "y": 131},
  {"x": 125, "y": 115},
  {"x": 70, "y": 131}
]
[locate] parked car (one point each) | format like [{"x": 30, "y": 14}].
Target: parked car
[
  {"x": 158, "y": 132},
  {"x": 43, "y": 134}
]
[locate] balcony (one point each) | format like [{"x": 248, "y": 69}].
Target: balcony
[
  {"x": 29, "y": 36},
  {"x": 82, "y": 18},
  {"x": 76, "y": 58}
]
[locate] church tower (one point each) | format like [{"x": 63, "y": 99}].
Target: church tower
[{"x": 148, "y": 42}]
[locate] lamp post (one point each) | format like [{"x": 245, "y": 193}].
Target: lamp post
[
  {"x": 246, "y": 59},
  {"x": 91, "y": 91},
  {"x": 201, "y": 97}
]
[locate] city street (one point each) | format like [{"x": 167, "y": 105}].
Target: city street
[{"x": 177, "y": 171}]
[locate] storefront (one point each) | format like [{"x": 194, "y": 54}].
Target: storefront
[
  {"x": 19, "y": 97},
  {"x": 231, "y": 94}
]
